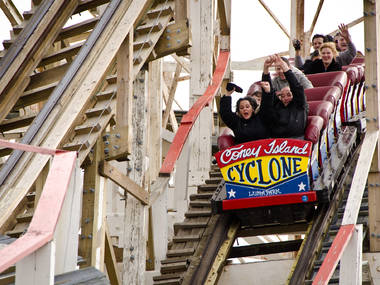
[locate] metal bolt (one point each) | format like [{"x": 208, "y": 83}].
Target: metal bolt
[
  {"x": 168, "y": 37},
  {"x": 129, "y": 168},
  {"x": 178, "y": 31},
  {"x": 84, "y": 191},
  {"x": 131, "y": 248},
  {"x": 168, "y": 45},
  {"x": 134, "y": 96},
  {"x": 365, "y": 86},
  {"x": 82, "y": 237},
  {"x": 138, "y": 169},
  {"x": 141, "y": 80},
  {"x": 105, "y": 137},
  {"x": 107, "y": 143},
  {"x": 373, "y": 235},
  {"x": 378, "y": 235},
  {"x": 365, "y": 13},
  {"x": 367, "y": 49},
  {"x": 92, "y": 190},
  {"x": 132, "y": 257},
  {"x": 377, "y": 185},
  {"x": 373, "y": 85},
  {"x": 118, "y": 136},
  {"x": 168, "y": 31},
  {"x": 371, "y": 185},
  {"x": 106, "y": 150},
  {"x": 116, "y": 147},
  {"x": 374, "y": 119},
  {"x": 178, "y": 41},
  {"x": 89, "y": 236},
  {"x": 372, "y": 13},
  {"x": 86, "y": 221}
]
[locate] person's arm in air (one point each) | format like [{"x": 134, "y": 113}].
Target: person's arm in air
[
  {"x": 229, "y": 118},
  {"x": 266, "y": 75},
  {"x": 346, "y": 57},
  {"x": 298, "y": 60}
]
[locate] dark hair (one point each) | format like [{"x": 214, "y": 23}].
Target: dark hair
[
  {"x": 328, "y": 38},
  {"x": 286, "y": 60},
  {"x": 251, "y": 101},
  {"x": 318, "y": 36}
]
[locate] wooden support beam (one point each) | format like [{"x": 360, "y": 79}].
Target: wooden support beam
[
  {"x": 135, "y": 236},
  {"x": 125, "y": 89},
  {"x": 110, "y": 260},
  {"x": 224, "y": 10},
  {"x": 372, "y": 81},
  {"x": 316, "y": 15},
  {"x": 111, "y": 172},
  {"x": 30, "y": 48},
  {"x": 282, "y": 27},
  {"x": 10, "y": 10},
  {"x": 93, "y": 187},
  {"x": 222, "y": 255},
  {"x": 169, "y": 101},
  {"x": 180, "y": 12},
  {"x": 175, "y": 39},
  {"x": 172, "y": 118}
]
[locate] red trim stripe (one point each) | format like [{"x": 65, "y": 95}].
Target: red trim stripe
[
  {"x": 191, "y": 116},
  {"x": 245, "y": 203},
  {"x": 45, "y": 218},
  {"x": 30, "y": 148},
  {"x": 333, "y": 256}
]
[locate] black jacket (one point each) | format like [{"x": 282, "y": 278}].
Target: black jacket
[
  {"x": 285, "y": 121},
  {"x": 317, "y": 66},
  {"x": 244, "y": 130}
]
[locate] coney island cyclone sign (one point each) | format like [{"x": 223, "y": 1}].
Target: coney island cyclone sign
[{"x": 265, "y": 168}]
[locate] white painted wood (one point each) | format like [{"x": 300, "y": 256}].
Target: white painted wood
[
  {"x": 351, "y": 260},
  {"x": 38, "y": 267},
  {"x": 257, "y": 273},
  {"x": 160, "y": 227},
  {"x": 155, "y": 118},
  {"x": 180, "y": 195},
  {"x": 360, "y": 178},
  {"x": 66, "y": 233},
  {"x": 293, "y": 26},
  {"x": 202, "y": 28},
  {"x": 135, "y": 231},
  {"x": 373, "y": 259}
]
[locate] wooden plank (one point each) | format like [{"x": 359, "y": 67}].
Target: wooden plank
[
  {"x": 110, "y": 260},
  {"x": 135, "y": 236},
  {"x": 222, "y": 255},
  {"x": 169, "y": 101},
  {"x": 11, "y": 11},
  {"x": 282, "y": 27},
  {"x": 350, "y": 270},
  {"x": 175, "y": 38},
  {"x": 335, "y": 252},
  {"x": 360, "y": 178},
  {"x": 124, "y": 98},
  {"x": 15, "y": 123},
  {"x": 172, "y": 117},
  {"x": 124, "y": 181},
  {"x": 17, "y": 70},
  {"x": 224, "y": 9}
]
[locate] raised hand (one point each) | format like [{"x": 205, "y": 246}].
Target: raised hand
[
  {"x": 279, "y": 62},
  {"x": 343, "y": 29},
  {"x": 265, "y": 85}
]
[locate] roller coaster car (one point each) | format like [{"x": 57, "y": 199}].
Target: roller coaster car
[{"x": 266, "y": 181}]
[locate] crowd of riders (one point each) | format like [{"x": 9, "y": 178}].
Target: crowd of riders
[{"x": 276, "y": 106}]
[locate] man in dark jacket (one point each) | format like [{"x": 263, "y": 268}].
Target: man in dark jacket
[{"x": 287, "y": 112}]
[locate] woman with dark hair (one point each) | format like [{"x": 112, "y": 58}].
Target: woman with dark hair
[{"x": 246, "y": 125}]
